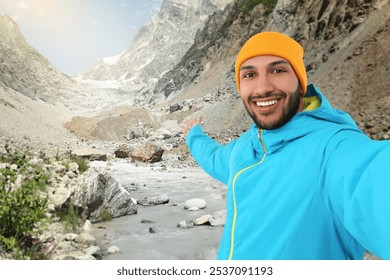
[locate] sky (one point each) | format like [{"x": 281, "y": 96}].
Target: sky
[{"x": 74, "y": 34}]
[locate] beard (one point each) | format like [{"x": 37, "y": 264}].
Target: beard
[{"x": 287, "y": 113}]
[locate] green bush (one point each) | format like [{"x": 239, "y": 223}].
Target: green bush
[
  {"x": 23, "y": 202},
  {"x": 105, "y": 215},
  {"x": 82, "y": 163},
  {"x": 70, "y": 217}
]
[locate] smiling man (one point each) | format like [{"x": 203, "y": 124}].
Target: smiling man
[{"x": 303, "y": 182}]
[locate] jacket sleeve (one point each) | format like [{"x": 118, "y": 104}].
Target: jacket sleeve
[
  {"x": 209, "y": 154},
  {"x": 356, "y": 175}
]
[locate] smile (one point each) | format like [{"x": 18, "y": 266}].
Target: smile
[{"x": 266, "y": 103}]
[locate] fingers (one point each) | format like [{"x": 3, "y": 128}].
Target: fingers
[{"x": 189, "y": 123}]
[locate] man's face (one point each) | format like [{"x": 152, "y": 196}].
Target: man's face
[{"x": 270, "y": 91}]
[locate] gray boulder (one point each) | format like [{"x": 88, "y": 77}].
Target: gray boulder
[{"x": 100, "y": 196}]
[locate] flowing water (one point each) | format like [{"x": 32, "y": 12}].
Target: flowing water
[{"x": 166, "y": 241}]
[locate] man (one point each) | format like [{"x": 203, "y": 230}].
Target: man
[{"x": 304, "y": 182}]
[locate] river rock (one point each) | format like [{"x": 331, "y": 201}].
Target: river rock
[
  {"x": 60, "y": 196},
  {"x": 85, "y": 238},
  {"x": 185, "y": 224},
  {"x": 113, "y": 250},
  {"x": 161, "y": 199},
  {"x": 203, "y": 220},
  {"x": 153, "y": 230},
  {"x": 195, "y": 202},
  {"x": 94, "y": 251},
  {"x": 218, "y": 218},
  {"x": 122, "y": 152}
]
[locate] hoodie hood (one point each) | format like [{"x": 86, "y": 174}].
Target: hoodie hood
[
  {"x": 325, "y": 111},
  {"x": 303, "y": 123}
]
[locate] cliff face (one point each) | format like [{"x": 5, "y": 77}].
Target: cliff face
[{"x": 157, "y": 47}]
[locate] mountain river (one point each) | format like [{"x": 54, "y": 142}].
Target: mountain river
[{"x": 152, "y": 233}]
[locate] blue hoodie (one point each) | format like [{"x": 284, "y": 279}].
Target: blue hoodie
[{"x": 315, "y": 188}]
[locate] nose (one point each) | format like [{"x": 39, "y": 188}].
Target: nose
[{"x": 263, "y": 85}]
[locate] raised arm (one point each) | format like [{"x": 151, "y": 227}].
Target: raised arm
[{"x": 209, "y": 154}]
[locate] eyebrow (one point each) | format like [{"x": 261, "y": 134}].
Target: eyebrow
[{"x": 274, "y": 63}]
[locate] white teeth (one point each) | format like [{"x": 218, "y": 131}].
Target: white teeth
[{"x": 266, "y": 103}]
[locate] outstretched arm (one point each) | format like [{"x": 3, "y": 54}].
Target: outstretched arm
[
  {"x": 209, "y": 154},
  {"x": 357, "y": 188}
]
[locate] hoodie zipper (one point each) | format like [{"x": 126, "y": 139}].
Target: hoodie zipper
[{"x": 260, "y": 136}]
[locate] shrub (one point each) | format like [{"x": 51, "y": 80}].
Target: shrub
[
  {"x": 23, "y": 202},
  {"x": 105, "y": 215},
  {"x": 70, "y": 217},
  {"x": 82, "y": 163}
]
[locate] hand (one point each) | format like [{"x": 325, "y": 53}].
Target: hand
[{"x": 189, "y": 123}]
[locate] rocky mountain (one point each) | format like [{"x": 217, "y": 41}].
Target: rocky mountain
[{"x": 155, "y": 49}]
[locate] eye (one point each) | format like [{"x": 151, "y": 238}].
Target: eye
[
  {"x": 249, "y": 75},
  {"x": 278, "y": 70}
]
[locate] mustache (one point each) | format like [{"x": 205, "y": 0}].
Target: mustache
[{"x": 266, "y": 95}]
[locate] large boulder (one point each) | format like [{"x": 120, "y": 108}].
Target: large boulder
[
  {"x": 150, "y": 153},
  {"x": 100, "y": 196}
]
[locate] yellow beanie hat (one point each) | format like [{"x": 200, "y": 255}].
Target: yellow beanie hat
[{"x": 277, "y": 44}]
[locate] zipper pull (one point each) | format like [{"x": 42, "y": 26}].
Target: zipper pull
[{"x": 260, "y": 134}]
